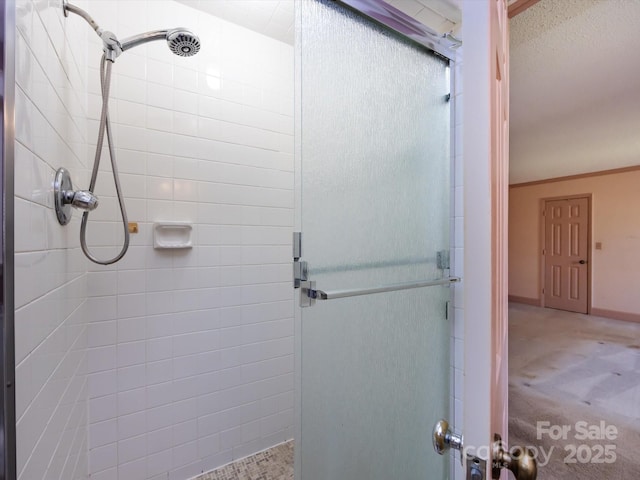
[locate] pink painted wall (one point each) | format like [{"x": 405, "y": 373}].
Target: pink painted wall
[{"x": 615, "y": 223}]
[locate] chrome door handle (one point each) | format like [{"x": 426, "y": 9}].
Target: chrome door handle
[
  {"x": 330, "y": 295},
  {"x": 444, "y": 439},
  {"x": 521, "y": 462}
]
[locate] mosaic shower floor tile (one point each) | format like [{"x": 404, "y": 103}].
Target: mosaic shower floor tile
[{"x": 273, "y": 464}]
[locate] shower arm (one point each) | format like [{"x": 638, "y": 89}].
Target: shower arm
[
  {"x": 67, "y": 7},
  {"x": 110, "y": 44}
]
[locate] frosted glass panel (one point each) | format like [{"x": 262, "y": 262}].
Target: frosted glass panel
[{"x": 375, "y": 188}]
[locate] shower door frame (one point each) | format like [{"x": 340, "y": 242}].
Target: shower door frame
[
  {"x": 7, "y": 305},
  {"x": 382, "y": 13}
]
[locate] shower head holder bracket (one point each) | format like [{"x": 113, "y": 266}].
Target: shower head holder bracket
[{"x": 110, "y": 45}]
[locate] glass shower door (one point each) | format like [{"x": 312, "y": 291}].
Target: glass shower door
[{"x": 375, "y": 193}]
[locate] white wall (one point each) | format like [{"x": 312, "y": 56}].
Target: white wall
[
  {"x": 191, "y": 352},
  {"x": 614, "y": 267},
  {"x": 50, "y": 277}
]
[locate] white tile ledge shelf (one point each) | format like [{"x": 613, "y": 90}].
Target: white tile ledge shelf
[{"x": 172, "y": 235}]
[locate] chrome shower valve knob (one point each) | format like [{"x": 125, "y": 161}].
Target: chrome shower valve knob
[
  {"x": 65, "y": 197},
  {"x": 82, "y": 199}
]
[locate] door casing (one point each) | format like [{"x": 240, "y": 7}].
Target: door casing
[
  {"x": 541, "y": 256},
  {"x": 486, "y": 165}
]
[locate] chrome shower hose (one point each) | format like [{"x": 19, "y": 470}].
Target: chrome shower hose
[{"x": 105, "y": 126}]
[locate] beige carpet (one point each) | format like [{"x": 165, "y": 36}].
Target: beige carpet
[{"x": 566, "y": 368}]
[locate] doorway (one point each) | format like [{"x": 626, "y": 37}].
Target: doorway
[
  {"x": 573, "y": 330},
  {"x": 566, "y": 238}
]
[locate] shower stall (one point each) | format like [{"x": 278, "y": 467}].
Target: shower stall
[{"x": 162, "y": 333}]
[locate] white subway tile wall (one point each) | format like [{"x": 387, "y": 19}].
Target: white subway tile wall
[
  {"x": 183, "y": 359},
  {"x": 191, "y": 351},
  {"x": 50, "y": 273}
]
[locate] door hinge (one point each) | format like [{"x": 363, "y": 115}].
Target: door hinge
[
  {"x": 544, "y": 252},
  {"x": 447, "y": 308},
  {"x": 297, "y": 246},
  {"x": 543, "y": 291},
  {"x": 300, "y": 269},
  {"x": 300, "y": 273}
]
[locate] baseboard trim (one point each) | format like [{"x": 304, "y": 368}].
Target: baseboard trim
[
  {"x": 626, "y": 316},
  {"x": 525, "y": 300}
]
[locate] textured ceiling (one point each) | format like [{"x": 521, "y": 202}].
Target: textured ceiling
[
  {"x": 273, "y": 18},
  {"x": 441, "y": 15},
  {"x": 575, "y": 88}
]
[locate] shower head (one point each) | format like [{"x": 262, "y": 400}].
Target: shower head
[{"x": 181, "y": 41}]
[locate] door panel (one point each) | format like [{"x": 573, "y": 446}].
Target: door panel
[
  {"x": 375, "y": 190},
  {"x": 566, "y": 254}
]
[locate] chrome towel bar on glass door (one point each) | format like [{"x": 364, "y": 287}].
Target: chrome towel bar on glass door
[{"x": 309, "y": 291}]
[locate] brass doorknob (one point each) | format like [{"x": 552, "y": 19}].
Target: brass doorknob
[
  {"x": 521, "y": 461},
  {"x": 582, "y": 262}
]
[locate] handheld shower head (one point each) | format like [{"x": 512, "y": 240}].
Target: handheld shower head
[{"x": 182, "y": 42}]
